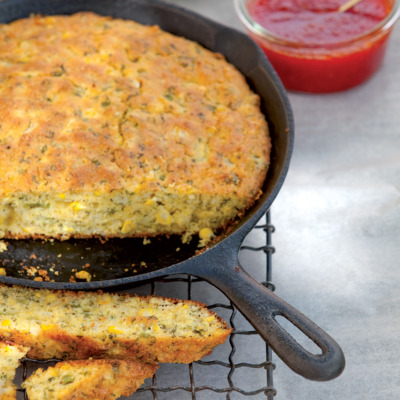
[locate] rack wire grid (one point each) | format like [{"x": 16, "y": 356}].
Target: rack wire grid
[{"x": 231, "y": 371}]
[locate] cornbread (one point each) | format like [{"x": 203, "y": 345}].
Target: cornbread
[
  {"x": 87, "y": 379},
  {"x": 79, "y": 325},
  {"x": 111, "y": 128},
  {"x": 10, "y": 355}
]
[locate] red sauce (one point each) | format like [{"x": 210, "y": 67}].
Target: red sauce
[{"x": 315, "y": 58}]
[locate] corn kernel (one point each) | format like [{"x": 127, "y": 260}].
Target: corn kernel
[
  {"x": 164, "y": 218},
  {"x": 127, "y": 227},
  {"x": 113, "y": 329},
  {"x": 90, "y": 113},
  {"x": 6, "y": 322},
  {"x": 206, "y": 233},
  {"x": 77, "y": 206},
  {"x": 45, "y": 327},
  {"x": 105, "y": 299}
]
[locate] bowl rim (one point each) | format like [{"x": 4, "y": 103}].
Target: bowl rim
[{"x": 261, "y": 33}]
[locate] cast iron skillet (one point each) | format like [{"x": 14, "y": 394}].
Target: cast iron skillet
[{"x": 122, "y": 262}]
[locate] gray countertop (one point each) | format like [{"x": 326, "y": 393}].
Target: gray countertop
[
  {"x": 337, "y": 222},
  {"x": 337, "y": 241}
]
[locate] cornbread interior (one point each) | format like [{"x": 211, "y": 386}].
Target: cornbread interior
[
  {"x": 112, "y": 128},
  {"x": 118, "y": 213}
]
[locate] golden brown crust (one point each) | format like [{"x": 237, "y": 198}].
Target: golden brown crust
[{"x": 91, "y": 103}]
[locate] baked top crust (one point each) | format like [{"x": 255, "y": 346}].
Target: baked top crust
[{"x": 90, "y": 103}]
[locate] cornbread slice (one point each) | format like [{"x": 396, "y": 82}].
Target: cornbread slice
[
  {"x": 79, "y": 325},
  {"x": 111, "y": 128},
  {"x": 10, "y": 355},
  {"x": 87, "y": 379}
]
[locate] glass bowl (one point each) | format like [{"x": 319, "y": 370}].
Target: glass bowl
[{"x": 323, "y": 67}]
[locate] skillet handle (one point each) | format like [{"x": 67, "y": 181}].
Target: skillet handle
[{"x": 261, "y": 307}]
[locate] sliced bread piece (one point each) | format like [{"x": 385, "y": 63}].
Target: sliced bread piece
[
  {"x": 87, "y": 379},
  {"x": 10, "y": 356},
  {"x": 78, "y": 325}
]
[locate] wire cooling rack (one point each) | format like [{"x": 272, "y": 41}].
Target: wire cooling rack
[{"x": 241, "y": 367}]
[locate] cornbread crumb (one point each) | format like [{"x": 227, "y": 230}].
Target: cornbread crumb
[
  {"x": 3, "y": 246},
  {"x": 83, "y": 275},
  {"x": 177, "y": 140},
  {"x": 87, "y": 379},
  {"x": 205, "y": 235}
]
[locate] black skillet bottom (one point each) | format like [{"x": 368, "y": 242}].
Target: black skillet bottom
[{"x": 113, "y": 259}]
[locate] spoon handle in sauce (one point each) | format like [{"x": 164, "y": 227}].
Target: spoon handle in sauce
[{"x": 346, "y": 6}]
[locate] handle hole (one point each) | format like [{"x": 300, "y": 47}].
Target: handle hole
[{"x": 301, "y": 338}]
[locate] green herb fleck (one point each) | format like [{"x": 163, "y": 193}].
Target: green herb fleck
[
  {"x": 38, "y": 205},
  {"x": 60, "y": 71},
  {"x": 66, "y": 379}
]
